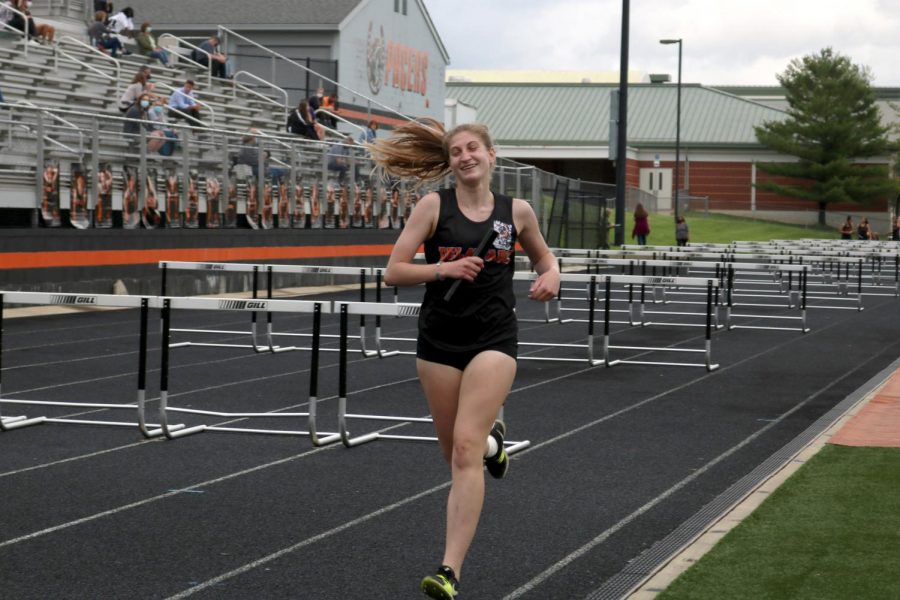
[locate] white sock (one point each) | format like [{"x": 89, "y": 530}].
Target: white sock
[{"x": 492, "y": 447}]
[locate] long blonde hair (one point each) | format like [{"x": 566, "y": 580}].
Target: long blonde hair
[{"x": 420, "y": 149}]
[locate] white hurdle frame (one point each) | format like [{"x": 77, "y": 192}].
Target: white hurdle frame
[
  {"x": 255, "y": 269},
  {"x": 710, "y": 284},
  {"x": 99, "y": 300},
  {"x": 394, "y": 309},
  {"x": 636, "y": 308},
  {"x": 316, "y": 308}
]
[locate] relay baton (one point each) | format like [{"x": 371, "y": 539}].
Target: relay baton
[{"x": 480, "y": 251}]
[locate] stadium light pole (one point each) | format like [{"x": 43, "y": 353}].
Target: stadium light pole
[{"x": 677, "y": 121}]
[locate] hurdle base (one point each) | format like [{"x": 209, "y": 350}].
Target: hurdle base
[
  {"x": 20, "y": 421},
  {"x": 173, "y": 433},
  {"x": 158, "y": 431},
  {"x": 322, "y": 439},
  {"x": 708, "y": 367}
]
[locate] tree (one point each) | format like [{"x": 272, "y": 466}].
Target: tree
[{"x": 833, "y": 127}]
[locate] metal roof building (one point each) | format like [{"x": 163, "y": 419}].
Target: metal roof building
[{"x": 572, "y": 120}]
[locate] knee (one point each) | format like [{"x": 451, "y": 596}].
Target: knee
[{"x": 468, "y": 452}]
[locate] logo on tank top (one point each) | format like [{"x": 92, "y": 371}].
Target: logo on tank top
[
  {"x": 503, "y": 241},
  {"x": 501, "y": 253}
]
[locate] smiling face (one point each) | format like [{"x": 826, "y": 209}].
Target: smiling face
[{"x": 471, "y": 158}]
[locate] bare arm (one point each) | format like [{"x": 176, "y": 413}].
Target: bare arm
[
  {"x": 546, "y": 286},
  {"x": 421, "y": 224}
]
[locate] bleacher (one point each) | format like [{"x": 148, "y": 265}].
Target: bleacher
[{"x": 69, "y": 92}]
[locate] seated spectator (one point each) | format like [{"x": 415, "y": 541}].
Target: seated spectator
[
  {"x": 41, "y": 32},
  {"x": 1, "y": 97},
  {"x": 147, "y": 44},
  {"x": 339, "y": 157},
  {"x": 368, "y": 136},
  {"x": 315, "y": 101},
  {"x": 248, "y": 155},
  {"x": 140, "y": 84},
  {"x": 101, "y": 36},
  {"x": 138, "y": 112},
  {"x": 159, "y": 122},
  {"x": 122, "y": 24},
  {"x": 157, "y": 115},
  {"x": 216, "y": 61},
  {"x": 103, "y": 5},
  {"x": 185, "y": 105},
  {"x": 329, "y": 105},
  {"x": 25, "y": 23},
  {"x": 299, "y": 122}
]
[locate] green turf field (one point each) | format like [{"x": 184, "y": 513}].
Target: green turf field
[
  {"x": 831, "y": 532},
  {"x": 724, "y": 229}
]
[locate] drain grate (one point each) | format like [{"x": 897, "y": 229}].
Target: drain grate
[{"x": 641, "y": 568}]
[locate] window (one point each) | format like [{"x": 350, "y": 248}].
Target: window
[
  {"x": 404, "y": 7},
  {"x": 396, "y": 6}
]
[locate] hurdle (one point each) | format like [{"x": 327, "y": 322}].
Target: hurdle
[
  {"x": 841, "y": 286},
  {"x": 148, "y": 430},
  {"x": 345, "y": 309},
  {"x": 362, "y": 273},
  {"x": 796, "y": 298},
  {"x": 711, "y": 285},
  {"x": 660, "y": 294},
  {"x": 315, "y": 308}
]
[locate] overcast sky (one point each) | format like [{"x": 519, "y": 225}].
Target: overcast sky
[{"x": 726, "y": 42}]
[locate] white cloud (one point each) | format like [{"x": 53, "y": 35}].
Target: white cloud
[{"x": 724, "y": 42}]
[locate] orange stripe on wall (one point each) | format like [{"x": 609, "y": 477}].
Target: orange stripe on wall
[{"x": 95, "y": 258}]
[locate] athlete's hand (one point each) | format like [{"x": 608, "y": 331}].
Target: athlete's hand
[
  {"x": 545, "y": 287},
  {"x": 466, "y": 268}
]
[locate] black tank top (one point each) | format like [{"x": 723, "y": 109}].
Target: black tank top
[{"x": 481, "y": 312}]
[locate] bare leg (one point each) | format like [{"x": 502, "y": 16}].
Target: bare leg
[{"x": 464, "y": 406}]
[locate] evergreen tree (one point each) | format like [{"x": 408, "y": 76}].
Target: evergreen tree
[{"x": 833, "y": 126}]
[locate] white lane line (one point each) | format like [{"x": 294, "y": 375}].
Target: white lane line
[
  {"x": 74, "y": 458},
  {"x": 152, "y": 499},
  {"x": 307, "y": 542},
  {"x": 401, "y": 502},
  {"x": 602, "y": 537},
  {"x": 230, "y": 422},
  {"x": 249, "y": 566}
]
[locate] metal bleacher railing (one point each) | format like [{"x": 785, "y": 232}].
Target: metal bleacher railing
[{"x": 571, "y": 211}]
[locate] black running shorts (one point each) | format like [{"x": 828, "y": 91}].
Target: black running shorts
[{"x": 461, "y": 359}]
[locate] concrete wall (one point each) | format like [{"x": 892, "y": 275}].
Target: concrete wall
[
  {"x": 393, "y": 59},
  {"x": 87, "y": 250}
]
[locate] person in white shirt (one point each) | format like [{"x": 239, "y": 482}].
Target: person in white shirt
[{"x": 122, "y": 24}]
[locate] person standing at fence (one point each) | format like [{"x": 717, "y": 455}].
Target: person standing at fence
[
  {"x": 862, "y": 230},
  {"x": 641, "y": 224},
  {"x": 467, "y": 344},
  {"x": 847, "y": 229},
  {"x": 682, "y": 233}
]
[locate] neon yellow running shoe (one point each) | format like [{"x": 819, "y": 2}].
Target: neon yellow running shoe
[{"x": 442, "y": 585}]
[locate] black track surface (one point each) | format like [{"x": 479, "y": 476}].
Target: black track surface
[{"x": 620, "y": 457}]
